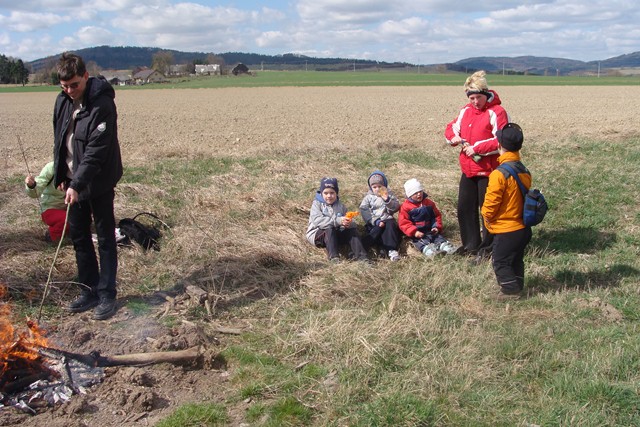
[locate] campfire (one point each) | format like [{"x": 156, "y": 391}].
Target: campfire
[{"x": 32, "y": 374}]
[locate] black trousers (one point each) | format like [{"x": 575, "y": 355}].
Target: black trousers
[
  {"x": 475, "y": 237},
  {"x": 100, "y": 280},
  {"x": 332, "y": 238},
  {"x": 508, "y": 259},
  {"x": 387, "y": 237}
]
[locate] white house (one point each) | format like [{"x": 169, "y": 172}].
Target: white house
[
  {"x": 148, "y": 76},
  {"x": 207, "y": 69}
]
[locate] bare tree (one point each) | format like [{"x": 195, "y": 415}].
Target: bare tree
[
  {"x": 162, "y": 62},
  {"x": 214, "y": 59},
  {"x": 93, "y": 68}
]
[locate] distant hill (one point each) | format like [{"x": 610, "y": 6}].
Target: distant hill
[
  {"x": 543, "y": 65},
  {"x": 627, "y": 60},
  {"x": 129, "y": 57}
]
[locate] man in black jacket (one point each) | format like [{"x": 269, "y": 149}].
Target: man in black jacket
[{"x": 87, "y": 166}]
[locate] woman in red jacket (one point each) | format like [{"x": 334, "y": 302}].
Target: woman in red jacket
[{"x": 474, "y": 131}]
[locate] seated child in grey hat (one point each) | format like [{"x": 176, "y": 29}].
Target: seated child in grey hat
[
  {"x": 377, "y": 209},
  {"x": 420, "y": 219},
  {"x": 330, "y": 225}
]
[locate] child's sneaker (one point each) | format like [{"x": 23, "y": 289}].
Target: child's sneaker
[
  {"x": 450, "y": 249},
  {"x": 394, "y": 255},
  {"x": 430, "y": 251}
]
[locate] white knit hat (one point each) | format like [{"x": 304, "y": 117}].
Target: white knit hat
[{"x": 412, "y": 187}]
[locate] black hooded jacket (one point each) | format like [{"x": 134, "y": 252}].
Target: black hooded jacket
[{"x": 97, "y": 165}]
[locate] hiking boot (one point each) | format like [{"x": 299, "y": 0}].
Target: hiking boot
[
  {"x": 394, "y": 255},
  {"x": 105, "y": 309},
  {"x": 84, "y": 302}
]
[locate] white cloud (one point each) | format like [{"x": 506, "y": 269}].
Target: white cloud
[
  {"x": 273, "y": 39},
  {"x": 23, "y": 22},
  {"x": 182, "y": 18},
  {"x": 406, "y": 27},
  {"x": 332, "y": 13},
  {"x": 268, "y": 15},
  {"x": 429, "y": 31},
  {"x": 94, "y": 36},
  {"x": 5, "y": 40}
]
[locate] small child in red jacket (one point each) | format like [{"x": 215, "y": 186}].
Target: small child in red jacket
[{"x": 420, "y": 219}]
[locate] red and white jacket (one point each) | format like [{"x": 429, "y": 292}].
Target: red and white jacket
[{"x": 478, "y": 128}]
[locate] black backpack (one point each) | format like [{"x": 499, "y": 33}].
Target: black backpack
[
  {"x": 535, "y": 205},
  {"x": 146, "y": 236}
]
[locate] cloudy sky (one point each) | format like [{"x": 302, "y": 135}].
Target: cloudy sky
[{"x": 415, "y": 31}]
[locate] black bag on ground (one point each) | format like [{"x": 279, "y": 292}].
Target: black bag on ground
[{"x": 146, "y": 236}]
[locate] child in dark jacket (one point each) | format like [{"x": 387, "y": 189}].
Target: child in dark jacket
[
  {"x": 420, "y": 219},
  {"x": 377, "y": 209},
  {"x": 330, "y": 226}
]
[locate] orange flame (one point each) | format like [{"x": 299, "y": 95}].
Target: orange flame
[
  {"x": 15, "y": 346},
  {"x": 352, "y": 214}
]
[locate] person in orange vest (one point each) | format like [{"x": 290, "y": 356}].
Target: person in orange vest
[{"x": 502, "y": 212}]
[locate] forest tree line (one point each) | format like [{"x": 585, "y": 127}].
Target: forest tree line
[{"x": 13, "y": 71}]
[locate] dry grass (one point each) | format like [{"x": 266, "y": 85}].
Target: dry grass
[{"x": 233, "y": 172}]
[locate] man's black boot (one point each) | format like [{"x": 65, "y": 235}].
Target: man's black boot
[{"x": 84, "y": 302}]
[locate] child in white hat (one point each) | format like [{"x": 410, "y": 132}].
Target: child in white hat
[{"x": 420, "y": 220}]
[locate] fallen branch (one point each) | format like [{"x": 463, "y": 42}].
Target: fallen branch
[
  {"x": 179, "y": 356},
  {"x": 96, "y": 360}
]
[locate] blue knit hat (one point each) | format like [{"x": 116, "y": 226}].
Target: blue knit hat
[{"x": 329, "y": 183}]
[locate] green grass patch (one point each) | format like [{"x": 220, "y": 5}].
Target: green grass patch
[
  {"x": 349, "y": 78},
  {"x": 196, "y": 415},
  {"x": 138, "y": 307}
]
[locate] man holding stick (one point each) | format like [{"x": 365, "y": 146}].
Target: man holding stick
[{"x": 87, "y": 167}]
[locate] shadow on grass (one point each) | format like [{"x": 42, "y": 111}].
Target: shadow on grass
[
  {"x": 239, "y": 281},
  {"x": 568, "y": 279},
  {"x": 576, "y": 239},
  {"x": 26, "y": 241}
]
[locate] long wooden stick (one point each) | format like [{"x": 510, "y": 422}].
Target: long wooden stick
[
  {"x": 55, "y": 257},
  {"x": 24, "y": 156}
]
